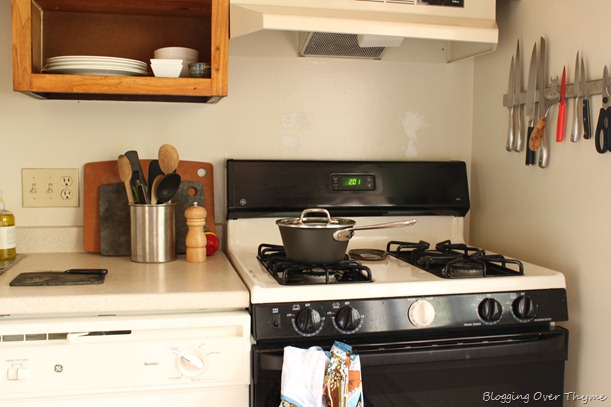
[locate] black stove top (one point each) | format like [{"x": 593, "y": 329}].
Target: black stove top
[
  {"x": 454, "y": 260},
  {"x": 289, "y": 272}
]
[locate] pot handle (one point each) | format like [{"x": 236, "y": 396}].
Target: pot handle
[
  {"x": 304, "y": 219},
  {"x": 346, "y": 234}
]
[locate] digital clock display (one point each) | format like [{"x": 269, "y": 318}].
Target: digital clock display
[{"x": 352, "y": 182}]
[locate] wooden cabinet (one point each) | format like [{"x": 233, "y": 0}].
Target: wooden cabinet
[{"x": 131, "y": 29}]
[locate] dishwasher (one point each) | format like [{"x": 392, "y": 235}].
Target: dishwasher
[{"x": 182, "y": 359}]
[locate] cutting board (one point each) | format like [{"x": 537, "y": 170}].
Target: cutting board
[
  {"x": 114, "y": 216},
  {"x": 100, "y": 173}
]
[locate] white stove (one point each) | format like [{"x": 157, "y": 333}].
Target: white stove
[
  {"x": 445, "y": 311},
  {"x": 391, "y": 277},
  {"x": 434, "y": 193}
]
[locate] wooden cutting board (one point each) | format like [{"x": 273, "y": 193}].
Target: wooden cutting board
[{"x": 100, "y": 173}]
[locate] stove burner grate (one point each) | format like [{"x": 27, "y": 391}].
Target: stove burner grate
[
  {"x": 454, "y": 260},
  {"x": 288, "y": 272}
]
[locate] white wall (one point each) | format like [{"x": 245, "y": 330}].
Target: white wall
[
  {"x": 557, "y": 217},
  {"x": 288, "y": 107},
  {"x": 278, "y": 107}
]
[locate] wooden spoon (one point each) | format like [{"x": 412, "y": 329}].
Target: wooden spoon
[
  {"x": 154, "y": 187},
  {"x": 168, "y": 158},
  {"x": 125, "y": 173}
]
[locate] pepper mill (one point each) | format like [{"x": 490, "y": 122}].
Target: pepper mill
[{"x": 196, "y": 238}]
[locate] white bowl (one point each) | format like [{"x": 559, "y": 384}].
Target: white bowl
[
  {"x": 166, "y": 61},
  {"x": 167, "y": 70},
  {"x": 176, "y": 53},
  {"x": 186, "y": 55}
]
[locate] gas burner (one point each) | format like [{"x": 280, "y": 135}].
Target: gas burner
[
  {"x": 288, "y": 272},
  {"x": 454, "y": 260}
]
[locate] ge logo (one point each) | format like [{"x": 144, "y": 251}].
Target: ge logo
[
  {"x": 243, "y": 201},
  {"x": 58, "y": 368}
]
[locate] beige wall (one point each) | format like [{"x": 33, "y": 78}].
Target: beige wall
[
  {"x": 278, "y": 107},
  {"x": 286, "y": 107},
  {"x": 557, "y": 217}
]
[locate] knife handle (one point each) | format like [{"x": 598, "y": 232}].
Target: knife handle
[
  {"x": 587, "y": 129},
  {"x": 531, "y": 156},
  {"x": 510, "y": 134},
  {"x": 517, "y": 136},
  {"x": 560, "y": 126}
]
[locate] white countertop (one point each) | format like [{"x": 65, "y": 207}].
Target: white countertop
[{"x": 128, "y": 287}]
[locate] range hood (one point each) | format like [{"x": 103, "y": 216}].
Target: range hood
[{"x": 463, "y": 27}]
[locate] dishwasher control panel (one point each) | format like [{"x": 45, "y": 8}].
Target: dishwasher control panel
[{"x": 121, "y": 353}]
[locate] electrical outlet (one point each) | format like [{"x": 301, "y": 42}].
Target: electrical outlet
[{"x": 49, "y": 187}]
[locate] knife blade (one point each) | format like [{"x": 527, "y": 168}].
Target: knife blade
[
  {"x": 561, "y": 108},
  {"x": 530, "y": 104},
  {"x": 543, "y": 106},
  {"x": 578, "y": 107},
  {"x": 583, "y": 90},
  {"x": 518, "y": 142},
  {"x": 510, "y": 90}
]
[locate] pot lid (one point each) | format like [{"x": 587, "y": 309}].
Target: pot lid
[{"x": 322, "y": 221}]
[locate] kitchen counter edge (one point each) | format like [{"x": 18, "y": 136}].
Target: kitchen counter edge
[{"x": 129, "y": 287}]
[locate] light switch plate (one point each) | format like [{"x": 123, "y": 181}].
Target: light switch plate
[{"x": 49, "y": 187}]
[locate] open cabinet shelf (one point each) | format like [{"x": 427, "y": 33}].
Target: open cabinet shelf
[{"x": 131, "y": 29}]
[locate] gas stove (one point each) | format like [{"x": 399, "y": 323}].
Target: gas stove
[
  {"x": 455, "y": 260},
  {"x": 419, "y": 305},
  {"x": 290, "y": 272},
  {"x": 260, "y": 192},
  {"x": 390, "y": 277}
]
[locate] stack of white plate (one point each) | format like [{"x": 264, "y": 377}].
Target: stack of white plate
[{"x": 95, "y": 65}]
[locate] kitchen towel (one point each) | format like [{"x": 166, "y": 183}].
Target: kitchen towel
[
  {"x": 343, "y": 386},
  {"x": 303, "y": 372}
]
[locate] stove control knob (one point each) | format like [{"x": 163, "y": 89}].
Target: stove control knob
[
  {"x": 490, "y": 310},
  {"x": 421, "y": 313},
  {"x": 524, "y": 308},
  {"x": 192, "y": 362},
  {"x": 348, "y": 318},
  {"x": 308, "y": 321}
]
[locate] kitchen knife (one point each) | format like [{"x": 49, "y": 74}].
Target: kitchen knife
[
  {"x": 578, "y": 107},
  {"x": 510, "y": 93},
  {"x": 518, "y": 143},
  {"x": 543, "y": 107},
  {"x": 530, "y": 104},
  {"x": 583, "y": 90},
  {"x": 602, "y": 135},
  {"x": 561, "y": 108}
]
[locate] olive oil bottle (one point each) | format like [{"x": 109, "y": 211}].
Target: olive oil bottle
[{"x": 8, "y": 240}]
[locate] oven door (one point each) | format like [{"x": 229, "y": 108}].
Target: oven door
[{"x": 483, "y": 370}]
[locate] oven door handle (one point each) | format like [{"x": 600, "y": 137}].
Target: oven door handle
[
  {"x": 552, "y": 345},
  {"x": 537, "y": 346}
]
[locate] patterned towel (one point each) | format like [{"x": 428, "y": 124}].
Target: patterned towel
[
  {"x": 303, "y": 371},
  {"x": 314, "y": 378},
  {"x": 343, "y": 386}
]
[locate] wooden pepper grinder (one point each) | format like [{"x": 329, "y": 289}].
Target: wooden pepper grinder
[{"x": 196, "y": 238}]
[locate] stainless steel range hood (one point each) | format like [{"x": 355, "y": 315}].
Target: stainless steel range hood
[{"x": 464, "y": 27}]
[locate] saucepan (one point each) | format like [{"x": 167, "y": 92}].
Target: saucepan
[{"x": 322, "y": 239}]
